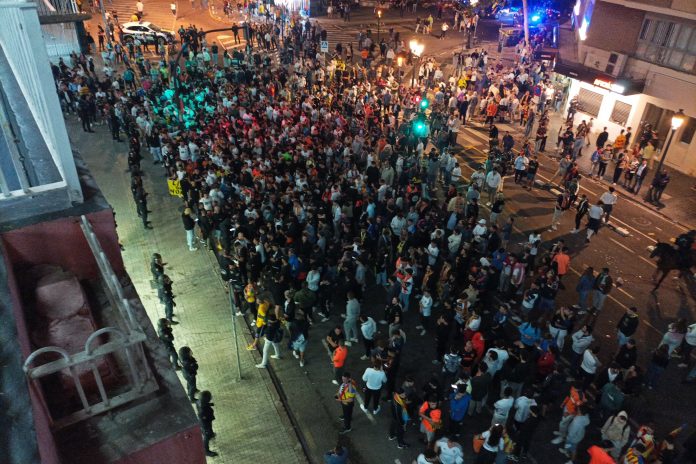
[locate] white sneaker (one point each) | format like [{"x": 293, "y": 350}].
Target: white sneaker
[
  {"x": 260, "y": 366},
  {"x": 334, "y": 381},
  {"x": 362, "y": 406},
  {"x": 301, "y": 363},
  {"x": 294, "y": 353},
  {"x": 557, "y": 440},
  {"x": 383, "y": 322},
  {"x": 574, "y": 231},
  {"x": 423, "y": 332},
  {"x": 347, "y": 343},
  {"x": 557, "y": 433},
  {"x": 363, "y": 357},
  {"x": 419, "y": 327},
  {"x": 354, "y": 340},
  {"x": 275, "y": 357},
  {"x": 343, "y": 316}
]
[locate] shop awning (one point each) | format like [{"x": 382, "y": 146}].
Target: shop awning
[{"x": 597, "y": 78}]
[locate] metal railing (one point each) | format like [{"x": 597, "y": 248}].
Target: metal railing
[
  {"x": 56, "y": 7},
  {"x": 126, "y": 343}
]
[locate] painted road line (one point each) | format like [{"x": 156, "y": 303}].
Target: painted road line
[
  {"x": 478, "y": 135},
  {"x": 633, "y": 252},
  {"x": 361, "y": 401}
]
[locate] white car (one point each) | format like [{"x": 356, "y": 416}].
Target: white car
[{"x": 145, "y": 31}]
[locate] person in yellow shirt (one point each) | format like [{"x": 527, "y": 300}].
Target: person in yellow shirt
[
  {"x": 620, "y": 142},
  {"x": 648, "y": 154},
  {"x": 261, "y": 315}
]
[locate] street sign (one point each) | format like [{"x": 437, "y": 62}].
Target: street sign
[{"x": 324, "y": 46}]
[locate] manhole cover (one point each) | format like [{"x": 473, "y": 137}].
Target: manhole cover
[{"x": 641, "y": 221}]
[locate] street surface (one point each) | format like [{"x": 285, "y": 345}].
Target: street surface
[{"x": 245, "y": 433}]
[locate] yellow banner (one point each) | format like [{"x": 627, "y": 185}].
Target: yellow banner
[{"x": 174, "y": 188}]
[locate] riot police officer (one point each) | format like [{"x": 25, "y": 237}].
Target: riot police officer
[
  {"x": 167, "y": 299},
  {"x": 166, "y": 336},
  {"x": 189, "y": 368},
  {"x": 206, "y": 416}
]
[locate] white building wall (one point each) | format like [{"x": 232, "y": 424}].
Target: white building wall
[{"x": 61, "y": 40}]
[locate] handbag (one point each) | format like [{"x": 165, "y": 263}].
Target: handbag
[{"x": 478, "y": 443}]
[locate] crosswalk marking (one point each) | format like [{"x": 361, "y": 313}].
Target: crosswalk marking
[{"x": 157, "y": 13}]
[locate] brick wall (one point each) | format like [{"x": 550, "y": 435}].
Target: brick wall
[{"x": 614, "y": 28}]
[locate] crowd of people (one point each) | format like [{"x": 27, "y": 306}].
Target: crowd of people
[{"x": 324, "y": 203}]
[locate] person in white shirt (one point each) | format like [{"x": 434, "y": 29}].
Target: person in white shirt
[
  {"x": 425, "y": 309},
  {"x": 502, "y": 407},
  {"x": 433, "y": 253},
  {"x": 594, "y": 216},
  {"x": 589, "y": 365},
  {"x": 449, "y": 451},
  {"x": 480, "y": 229},
  {"x": 493, "y": 180},
  {"x": 608, "y": 199},
  {"x": 522, "y": 406},
  {"x": 374, "y": 378},
  {"x": 368, "y": 328}
]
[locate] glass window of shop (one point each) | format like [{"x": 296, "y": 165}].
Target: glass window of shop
[{"x": 688, "y": 131}]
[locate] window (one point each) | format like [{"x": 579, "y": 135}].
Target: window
[
  {"x": 687, "y": 134},
  {"x": 589, "y": 102},
  {"x": 620, "y": 113},
  {"x": 668, "y": 43}
]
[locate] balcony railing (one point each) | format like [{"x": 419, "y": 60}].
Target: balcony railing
[
  {"x": 56, "y": 7},
  {"x": 125, "y": 343}
]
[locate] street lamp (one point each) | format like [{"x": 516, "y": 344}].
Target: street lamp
[
  {"x": 379, "y": 17},
  {"x": 417, "y": 50},
  {"x": 677, "y": 120}
]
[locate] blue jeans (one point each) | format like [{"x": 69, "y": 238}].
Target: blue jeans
[
  {"x": 623, "y": 339},
  {"x": 546, "y": 304},
  {"x": 653, "y": 375},
  {"x": 598, "y": 299},
  {"x": 381, "y": 278},
  {"x": 582, "y": 299},
  {"x": 403, "y": 299},
  {"x": 190, "y": 239}
]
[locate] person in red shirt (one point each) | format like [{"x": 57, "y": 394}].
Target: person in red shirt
[
  {"x": 562, "y": 262},
  {"x": 600, "y": 454}
]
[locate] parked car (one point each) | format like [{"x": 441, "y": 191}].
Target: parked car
[{"x": 145, "y": 31}]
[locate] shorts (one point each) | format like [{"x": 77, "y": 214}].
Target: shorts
[
  {"x": 593, "y": 224},
  {"x": 531, "y": 175},
  {"x": 300, "y": 344}
]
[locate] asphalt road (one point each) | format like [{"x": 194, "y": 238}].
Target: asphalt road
[{"x": 310, "y": 392}]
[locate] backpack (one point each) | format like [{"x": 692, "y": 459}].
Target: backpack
[{"x": 451, "y": 363}]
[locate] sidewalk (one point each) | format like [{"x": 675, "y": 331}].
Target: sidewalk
[
  {"x": 250, "y": 415},
  {"x": 678, "y": 202}
]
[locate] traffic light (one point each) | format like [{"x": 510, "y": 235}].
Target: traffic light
[{"x": 420, "y": 128}]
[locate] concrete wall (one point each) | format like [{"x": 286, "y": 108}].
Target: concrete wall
[
  {"x": 41, "y": 432},
  {"x": 614, "y": 28},
  {"x": 688, "y": 6},
  {"x": 185, "y": 447},
  {"x": 61, "y": 242}
]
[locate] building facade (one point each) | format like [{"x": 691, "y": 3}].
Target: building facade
[{"x": 637, "y": 64}]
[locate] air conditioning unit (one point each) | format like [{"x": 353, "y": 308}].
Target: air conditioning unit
[{"x": 611, "y": 63}]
